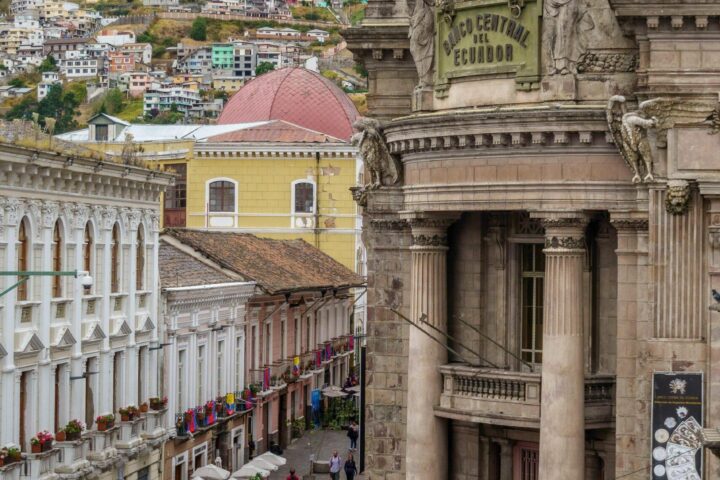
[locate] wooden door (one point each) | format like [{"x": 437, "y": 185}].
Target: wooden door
[{"x": 23, "y": 407}]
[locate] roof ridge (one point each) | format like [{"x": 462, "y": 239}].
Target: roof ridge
[{"x": 279, "y": 87}]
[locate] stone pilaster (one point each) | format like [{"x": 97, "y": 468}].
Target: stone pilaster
[
  {"x": 632, "y": 258},
  {"x": 425, "y": 432},
  {"x": 562, "y": 422}
]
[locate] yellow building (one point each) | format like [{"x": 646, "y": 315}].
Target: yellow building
[{"x": 265, "y": 176}]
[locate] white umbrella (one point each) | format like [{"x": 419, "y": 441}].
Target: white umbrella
[
  {"x": 248, "y": 471},
  {"x": 263, "y": 464},
  {"x": 272, "y": 458},
  {"x": 211, "y": 472}
]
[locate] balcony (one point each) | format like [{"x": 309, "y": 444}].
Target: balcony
[{"x": 512, "y": 399}]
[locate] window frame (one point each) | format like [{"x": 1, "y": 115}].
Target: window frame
[
  {"x": 293, "y": 187},
  {"x": 534, "y": 276},
  {"x": 208, "y": 185},
  {"x": 57, "y": 259},
  {"x": 140, "y": 259},
  {"x": 115, "y": 258},
  {"x": 23, "y": 257}
]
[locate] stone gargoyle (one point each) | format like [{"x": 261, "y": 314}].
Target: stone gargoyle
[{"x": 383, "y": 167}]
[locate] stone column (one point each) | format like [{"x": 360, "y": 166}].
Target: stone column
[
  {"x": 427, "y": 439},
  {"x": 562, "y": 420}
]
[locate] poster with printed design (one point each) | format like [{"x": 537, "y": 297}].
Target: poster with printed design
[{"x": 677, "y": 419}]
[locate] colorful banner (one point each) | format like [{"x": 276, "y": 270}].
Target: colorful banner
[
  {"x": 328, "y": 351},
  {"x": 351, "y": 342},
  {"x": 318, "y": 358},
  {"x": 266, "y": 379},
  {"x": 677, "y": 420},
  {"x": 296, "y": 366}
]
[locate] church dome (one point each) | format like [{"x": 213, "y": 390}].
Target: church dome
[{"x": 295, "y": 95}]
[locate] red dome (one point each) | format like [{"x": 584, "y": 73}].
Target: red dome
[{"x": 295, "y": 95}]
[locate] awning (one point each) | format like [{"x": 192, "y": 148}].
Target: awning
[
  {"x": 333, "y": 392},
  {"x": 263, "y": 464},
  {"x": 249, "y": 471},
  {"x": 272, "y": 458},
  {"x": 211, "y": 472}
]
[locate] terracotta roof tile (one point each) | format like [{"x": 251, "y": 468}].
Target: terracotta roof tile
[
  {"x": 276, "y": 265},
  {"x": 179, "y": 269},
  {"x": 276, "y": 131}
]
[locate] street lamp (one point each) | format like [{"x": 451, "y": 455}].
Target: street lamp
[{"x": 23, "y": 276}]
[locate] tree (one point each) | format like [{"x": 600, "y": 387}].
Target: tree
[
  {"x": 113, "y": 101},
  {"x": 198, "y": 31},
  {"x": 16, "y": 82},
  {"x": 264, "y": 67},
  {"x": 49, "y": 64},
  {"x": 22, "y": 110}
]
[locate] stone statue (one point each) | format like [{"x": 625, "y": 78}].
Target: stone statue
[
  {"x": 677, "y": 197},
  {"x": 566, "y": 25},
  {"x": 629, "y": 131},
  {"x": 422, "y": 36},
  {"x": 384, "y": 170}
]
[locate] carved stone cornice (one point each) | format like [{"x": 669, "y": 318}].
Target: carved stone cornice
[
  {"x": 564, "y": 231},
  {"x": 394, "y": 224},
  {"x": 424, "y": 240},
  {"x": 12, "y": 209},
  {"x": 620, "y": 224},
  {"x": 563, "y": 222},
  {"x": 104, "y": 216}
]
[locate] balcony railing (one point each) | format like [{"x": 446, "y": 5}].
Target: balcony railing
[{"x": 509, "y": 398}]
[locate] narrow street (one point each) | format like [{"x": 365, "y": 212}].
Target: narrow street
[{"x": 320, "y": 443}]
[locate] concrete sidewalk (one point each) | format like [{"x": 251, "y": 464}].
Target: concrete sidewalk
[{"x": 320, "y": 443}]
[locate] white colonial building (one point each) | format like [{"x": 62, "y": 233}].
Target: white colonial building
[{"x": 72, "y": 351}]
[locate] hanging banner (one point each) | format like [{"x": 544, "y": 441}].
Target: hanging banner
[
  {"x": 318, "y": 358},
  {"x": 296, "y": 366},
  {"x": 266, "y": 379},
  {"x": 677, "y": 419},
  {"x": 351, "y": 342}
]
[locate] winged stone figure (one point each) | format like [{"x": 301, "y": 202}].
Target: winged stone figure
[
  {"x": 629, "y": 131},
  {"x": 384, "y": 170}
]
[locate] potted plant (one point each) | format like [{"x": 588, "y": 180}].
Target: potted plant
[
  {"x": 124, "y": 415},
  {"x": 3, "y": 454},
  {"x": 133, "y": 412},
  {"x": 46, "y": 440},
  {"x": 14, "y": 454},
  {"x": 157, "y": 404},
  {"x": 74, "y": 429},
  {"x": 35, "y": 445},
  {"x": 60, "y": 435},
  {"x": 144, "y": 407},
  {"x": 105, "y": 422}
]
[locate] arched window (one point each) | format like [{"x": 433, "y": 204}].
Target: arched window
[
  {"x": 57, "y": 260},
  {"x": 140, "y": 260},
  {"x": 115, "y": 260},
  {"x": 87, "y": 249},
  {"x": 221, "y": 196},
  {"x": 303, "y": 194},
  {"x": 22, "y": 258}
]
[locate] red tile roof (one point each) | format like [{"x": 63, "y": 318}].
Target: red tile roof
[
  {"x": 179, "y": 269},
  {"x": 278, "y": 266},
  {"x": 276, "y": 131},
  {"x": 295, "y": 95}
]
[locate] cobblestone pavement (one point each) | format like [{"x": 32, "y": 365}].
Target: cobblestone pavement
[{"x": 320, "y": 443}]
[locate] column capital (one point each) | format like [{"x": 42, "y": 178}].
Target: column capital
[
  {"x": 430, "y": 231},
  {"x": 564, "y": 231}
]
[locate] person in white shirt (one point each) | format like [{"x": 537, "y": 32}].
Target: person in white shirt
[{"x": 335, "y": 466}]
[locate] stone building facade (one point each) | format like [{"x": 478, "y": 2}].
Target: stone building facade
[{"x": 549, "y": 242}]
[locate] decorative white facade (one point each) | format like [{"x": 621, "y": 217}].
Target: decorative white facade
[{"x": 70, "y": 352}]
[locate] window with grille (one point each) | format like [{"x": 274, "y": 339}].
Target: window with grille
[
  {"x": 57, "y": 260},
  {"x": 526, "y": 458},
  {"x": 304, "y": 193},
  {"x": 176, "y": 195},
  {"x": 22, "y": 259},
  {"x": 532, "y": 280},
  {"x": 115, "y": 260},
  {"x": 140, "y": 260},
  {"x": 222, "y": 196}
]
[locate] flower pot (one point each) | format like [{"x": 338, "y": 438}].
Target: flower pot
[
  {"x": 102, "y": 426},
  {"x": 73, "y": 436},
  {"x": 47, "y": 446},
  {"x": 60, "y": 436},
  {"x": 36, "y": 448},
  {"x": 143, "y": 408},
  {"x": 125, "y": 417},
  {"x": 2, "y": 462}
]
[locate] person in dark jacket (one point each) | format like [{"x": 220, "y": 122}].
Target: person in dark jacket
[
  {"x": 353, "y": 435},
  {"x": 350, "y": 468}
]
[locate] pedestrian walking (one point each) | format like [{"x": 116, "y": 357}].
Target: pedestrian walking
[
  {"x": 350, "y": 468},
  {"x": 292, "y": 475},
  {"x": 353, "y": 435},
  {"x": 335, "y": 466}
]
